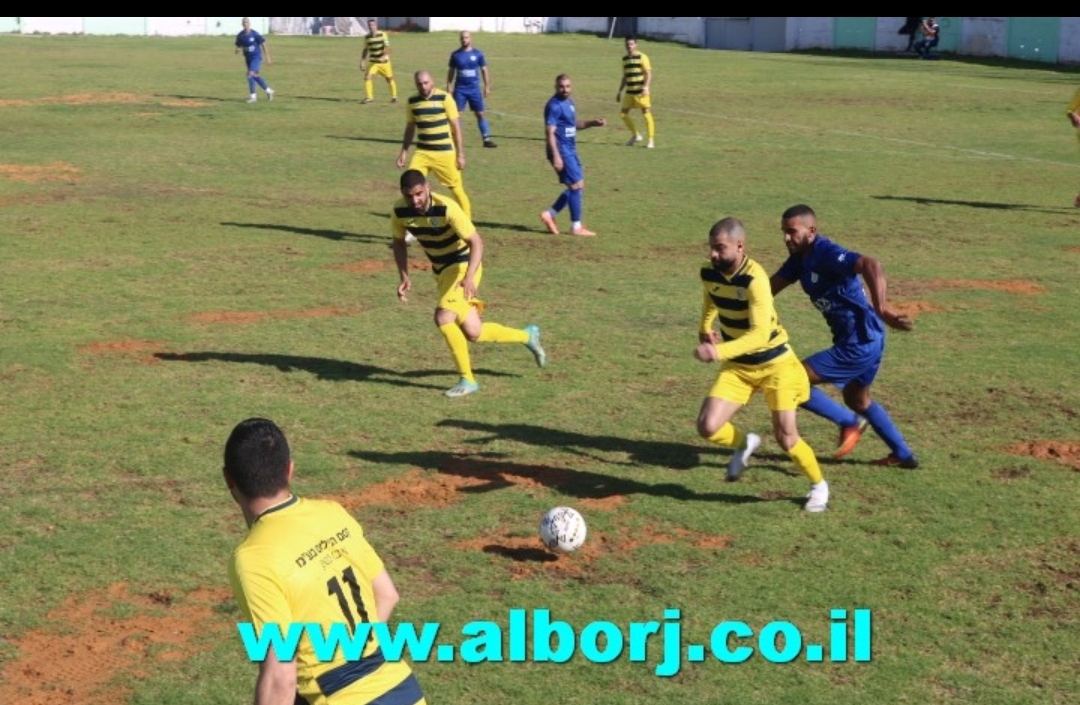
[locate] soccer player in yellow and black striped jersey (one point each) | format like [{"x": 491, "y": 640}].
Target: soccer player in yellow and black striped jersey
[
  {"x": 456, "y": 252},
  {"x": 636, "y": 81},
  {"x": 306, "y": 561},
  {"x": 432, "y": 118},
  {"x": 377, "y": 53},
  {"x": 753, "y": 351}
]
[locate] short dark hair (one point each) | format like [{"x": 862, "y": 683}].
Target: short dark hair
[
  {"x": 630, "y": 38},
  {"x": 411, "y": 179},
  {"x": 732, "y": 227},
  {"x": 257, "y": 458},
  {"x": 798, "y": 211}
]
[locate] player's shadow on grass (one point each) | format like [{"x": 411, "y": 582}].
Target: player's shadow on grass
[
  {"x": 215, "y": 99},
  {"x": 985, "y": 205},
  {"x": 322, "y": 367},
  {"x": 489, "y": 472},
  {"x": 355, "y": 138},
  {"x": 325, "y": 99},
  {"x": 328, "y": 234}
]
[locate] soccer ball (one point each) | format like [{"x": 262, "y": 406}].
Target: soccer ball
[{"x": 563, "y": 529}]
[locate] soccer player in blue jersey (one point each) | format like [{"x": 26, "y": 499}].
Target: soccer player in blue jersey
[
  {"x": 468, "y": 68},
  {"x": 560, "y": 131},
  {"x": 829, "y": 274},
  {"x": 254, "y": 47}
]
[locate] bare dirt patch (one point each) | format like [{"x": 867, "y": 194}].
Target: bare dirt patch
[
  {"x": 915, "y": 287},
  {"x": 57, "y": 171},
  {"x": 1072, "y": 248},
  {"x": 240, "y": 317},
  {"x": 120, "y": 346},
  {"x": 364, "y": 265},
  {"x": 912, "y": 309},
  {"x": 95, "y": 98},
  {"x": 85, "y": 656},
  {"x": 416, "y": 488},
  {"x": 1057, "y": 451},
  {"x": 186, "y": 103}
]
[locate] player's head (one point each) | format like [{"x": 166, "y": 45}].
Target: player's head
[
  {"x": 372, "y": 25},
  {"x": 799, "y": 225},
  {"x": 466, "y": 39},
  {"x": 247, "y": 23},
  {"x": 415, "y": 189},
  {"x": 631, "y": 44},
  {"x": 727, "y": 245},
  {"x": 562, "y": 86},
  {"x": 257, "y": 460},
  {"x": 424, "y": 83}
]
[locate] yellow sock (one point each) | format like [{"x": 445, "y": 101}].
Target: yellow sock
[
  {"x": 393, "y": 88},
  {"x": 497, "y": 333},
  {"x": 462, "y": 199},
  {"x": 629, "y": 122},
  {"x": 459, "y": 349},
  {"x": 369, "y": 89},
  {"x": 806, "y": 461},
  {"x": 650, "y": 126},
  {"x": 728, "y": 436}
]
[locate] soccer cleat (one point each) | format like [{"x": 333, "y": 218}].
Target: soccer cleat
[
  {"x": 634, "y": 140},
  {"x": 849, "y": 436},
  {"x": 549, "y": 221},
  {"x": 254, "y": 98},
  {"x": 269, "y": 93},
  {"x": 462, "y": 388},
  {"x": 650, "y": 145},
  {"x": 892, "y": 461},
  {"x": 534, "y": 346},
  {"x": 489, "y": 143},
  {"x": 741, "y": 457},
  {"x": 582, "y": 231},
  {"x": 818, "y": 498},
  {"x": 365, "y": 101},
  {"x": 394, "y": 99}
]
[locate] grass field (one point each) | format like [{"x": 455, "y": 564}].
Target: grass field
[{"x": 173, "y": 260}]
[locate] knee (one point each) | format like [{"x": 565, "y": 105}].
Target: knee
[
  {"x": 705, "y": 429},
  {"x": 578, "y": 186},
  {"x": 444, "y": 316},
  {"x": 786, "y": 439}
]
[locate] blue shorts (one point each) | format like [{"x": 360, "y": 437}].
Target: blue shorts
[
  {"x": 850, "y": 363},
  {"x": 572, "y": 171},
  {"x": 473, "y": 97},
  {"x": 254, "y": 63}
]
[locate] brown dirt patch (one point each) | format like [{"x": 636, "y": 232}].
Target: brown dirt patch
[
  {"x": 240, "y": 317},
  {"x": 186, "y": 103},
  {"x": 95, "y": 99},
  {"x": 1057, "y": 451},
  {"x": 14, "y": 103},
  {"x": 120, "y": 346},
  {"x": 84, "y": 656},
  {"x": 912, "y": 309},
  {"x": 57, "y": 171},
  {"x": 148, "y": 115},
  {"x": 416, "y": 488},
  {"x": 1072, "y": 248},
  {"x": 364, "y": 265},
  {"x": 904, "y": 288}
]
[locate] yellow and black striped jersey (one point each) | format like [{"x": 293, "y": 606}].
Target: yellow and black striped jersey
[
  {"x": 442, "y": 230},
  {"x": 742, "y": 305}
]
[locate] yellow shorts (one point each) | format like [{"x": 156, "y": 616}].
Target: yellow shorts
[
  {"x": 636, "y": 102},
  {"x": 376, "y": 69},
  {"x": 452, "y": 296},
  {"x": 442, "y": 164},
  {"x": 783, "y": 381}
]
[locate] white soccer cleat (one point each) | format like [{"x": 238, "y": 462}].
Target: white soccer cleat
[
  {"x": 269, "y": 93},
  {"x": 253, "y": 98},
  {"x": 818, "y": 499},
  {"x": 741, "y": 457},
  {"x": 650, "y": 145},
  {"x": 634, "y": 140}
]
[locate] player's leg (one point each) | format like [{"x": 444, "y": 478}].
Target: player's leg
[
  {"x": 857, "y": 396},
  {"x": 729, "y": 393},
  {"x": 476, "y": 104},
  {"x": 837, "y": 366},
  {"x": 451, "y": 315},
  {"x": 574, "y": 176},
  {"x": 624, "y": 111},
  {"x": 650, "y": 127},
  {"x": 444, "y": 165},
  {"x": 389, "y": 74},
  {"x": 786, "y": 387},
  {"x": 369, "y": 84}
]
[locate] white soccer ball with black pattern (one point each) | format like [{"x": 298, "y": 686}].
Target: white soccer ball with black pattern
[{"x": 563, "y": 529}]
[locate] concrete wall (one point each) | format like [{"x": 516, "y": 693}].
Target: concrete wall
[
  {"x": 984, "y": 36},
  {"x": 687, "y": 30},
  {"x": 1069, "y": 43},
  {"x": 146, "y": 26},
  {"x": 514, "y": 25},
  {"x": 809, "y": 33}
]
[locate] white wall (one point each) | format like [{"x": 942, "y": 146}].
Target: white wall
[
  {"x": 809, "y": 33},
  {"x": 984, "y": 36},
  {"x": 52, "y": 25},
  {"x": 1069, "y": 48},
  {"x": 582, "y": 24},
  {"x": 488, "y": 24},
  {"x": 886, "y": 37},
  {"x": 688, "y": 30}
]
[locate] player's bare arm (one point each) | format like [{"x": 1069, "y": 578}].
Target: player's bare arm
[
  {"x": 487, "y": 80},
  {"x": 622, "y": 85},
  {"x": 276, "y": 682},
  {"x": 648, "y": 82},
  {"x": 459, "y": 144},
  {"x": 556, "y": 158},
  {"x": 586, "y": 124},
  {"x": 777, "y": 284},
  {"x": 1074, "y": 118},
  {"x": 401, "y": 259},
  {"x": 266, "y": 53},
  {"x": 406, "y": 142},
  {"x": 874, "y": 276},
  {"x": 450, "y": 75},
  {"x": 386, "y": 596},
  {"x": 476, "y": 256}
]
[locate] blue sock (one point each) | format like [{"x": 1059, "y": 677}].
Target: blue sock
[
  {"x": 576, "y": 196},
  {"x": 822, "y": 404},
  {"x": 560, "y": 202},
  {"x": 883, "y": 425},
  {"x": 251, "y": 84},
  {"x": 261, "y": 81},
  {"x": 485, "y": 128}
]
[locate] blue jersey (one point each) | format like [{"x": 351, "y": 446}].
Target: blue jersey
[
  {"x": 563, "y": 116},
  {"x": 467, "y": 64},
  {"x": 827, "y": 274},
  {"x": 251, "y": 43}
]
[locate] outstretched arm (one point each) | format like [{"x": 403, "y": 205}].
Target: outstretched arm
[{"x": 871, "y": 271}]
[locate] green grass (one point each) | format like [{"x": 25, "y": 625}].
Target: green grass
[{"x": 186, "y": 201}]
